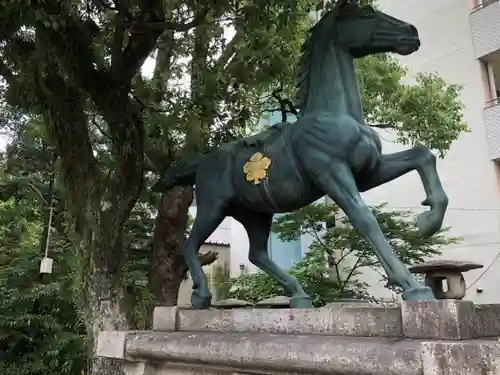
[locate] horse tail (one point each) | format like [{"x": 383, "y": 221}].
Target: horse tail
[{"x": 182, "y": 173}]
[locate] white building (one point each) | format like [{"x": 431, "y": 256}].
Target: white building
[{"x": 460, "y": 42}]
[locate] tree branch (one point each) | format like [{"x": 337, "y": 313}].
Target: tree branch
[
  {"x": 228, "y": 53},
  {"x": 163, "y": 61},
  {"x": 100, "y": 128},
  {"x": 125, "y": 125},
  {"x": 208, "y": 258},
  {"x": 284, "y": 103},
  {"x": 160, "y": 26},
  {"x": 68, "y": 126},
  {"x": 133, "y": 57},
  {"x": 139, "y": 46},
  {"x": 74, "y": 49},
  {"x": 117, "y": 42},
  {"x": 205, "y": 259},
  {"x": 351, "y": 272}
]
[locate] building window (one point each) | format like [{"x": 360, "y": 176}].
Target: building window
[{"x": 493, "y": 69}]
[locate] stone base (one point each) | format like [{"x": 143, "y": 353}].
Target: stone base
[{"x": 413, "y": 339}]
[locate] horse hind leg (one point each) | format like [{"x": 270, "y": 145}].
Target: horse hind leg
[
  {"x": 258, "y": 227},
  {"x": 338, "y": 182},
  {"x": 206, "y": 222}
]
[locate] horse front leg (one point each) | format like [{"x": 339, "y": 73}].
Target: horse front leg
[
  {"x": 421, "y": 159},
  {"x": 207, "y": 220},
  {"x": 338, "y": 182}
]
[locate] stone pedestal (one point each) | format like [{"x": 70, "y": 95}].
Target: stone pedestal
[{"x": 418, "y": 338}]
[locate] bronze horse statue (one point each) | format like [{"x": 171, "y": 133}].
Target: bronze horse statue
[{"x": 328, "y": 150}]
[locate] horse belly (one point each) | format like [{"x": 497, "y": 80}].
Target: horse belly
[{"x": 289, "y": 190}]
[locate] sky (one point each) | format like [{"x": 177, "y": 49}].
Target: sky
[
  {"x": 148, "y": 66},
  {"x": 3, "y": 142}
]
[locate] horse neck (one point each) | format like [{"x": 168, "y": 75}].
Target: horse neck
[{"x": 333, "y": 84}]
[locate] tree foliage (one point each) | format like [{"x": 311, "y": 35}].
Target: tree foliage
[
  {"x": 74, "y": 67},
  {"x": 427, "y": 109},
  {"x": 39, "y": 330},
  {"x": 333, "y": 266}
]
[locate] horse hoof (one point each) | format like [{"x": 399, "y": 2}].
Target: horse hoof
[
  {"x": 421, "y": 293},
  {"x": 201, "y": 302},
  {"x": 428, "y": 224},
  {"x": 301, "y": 302}
]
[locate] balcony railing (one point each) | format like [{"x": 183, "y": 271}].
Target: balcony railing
[
  {"x": 485, "y": 28},
  {"x": 484, "y": 4},
  {"x": 492, "y": 125},
  {"x": 492, "y": 102}
]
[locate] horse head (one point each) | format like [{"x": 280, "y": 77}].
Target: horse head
[{"x": 364, "y": 30}]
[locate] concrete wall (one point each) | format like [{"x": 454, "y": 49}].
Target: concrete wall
[{"x": 467, "y": 173}]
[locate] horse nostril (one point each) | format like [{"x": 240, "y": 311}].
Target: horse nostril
[{"x": 413, "y": 30}]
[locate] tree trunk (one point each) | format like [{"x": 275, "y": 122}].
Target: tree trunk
[
  {"x": 107, "y": 311},
  {"x": 99, "y": 200},
  {"x": 100, "y": 298},
  {"x": 167, "y": 267}
]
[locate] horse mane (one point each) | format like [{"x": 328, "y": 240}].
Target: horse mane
[{"x": 304, "y": 71}]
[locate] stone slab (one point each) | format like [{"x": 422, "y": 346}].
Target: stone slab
[
  {"x": 444, "y": 265},
  {"x": 215, "y": 353},
  {"x": 349, "y": 303},
  {"x": 111, "y": 344},
  {"x": 475, "y": 357},
  {"x": 439, "y": 319},
  {"x": 268, "y": 353},
  {"x": 139, "y": 368},
  {"x": 231, "y": 303},
  {"x": 274, "y": 302},
  {"x": 488, "y": 320},
  {"x": 173, "y": 369},
  {"x": 165, "y": 318},
  {"x": 342, "y": 321}
]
